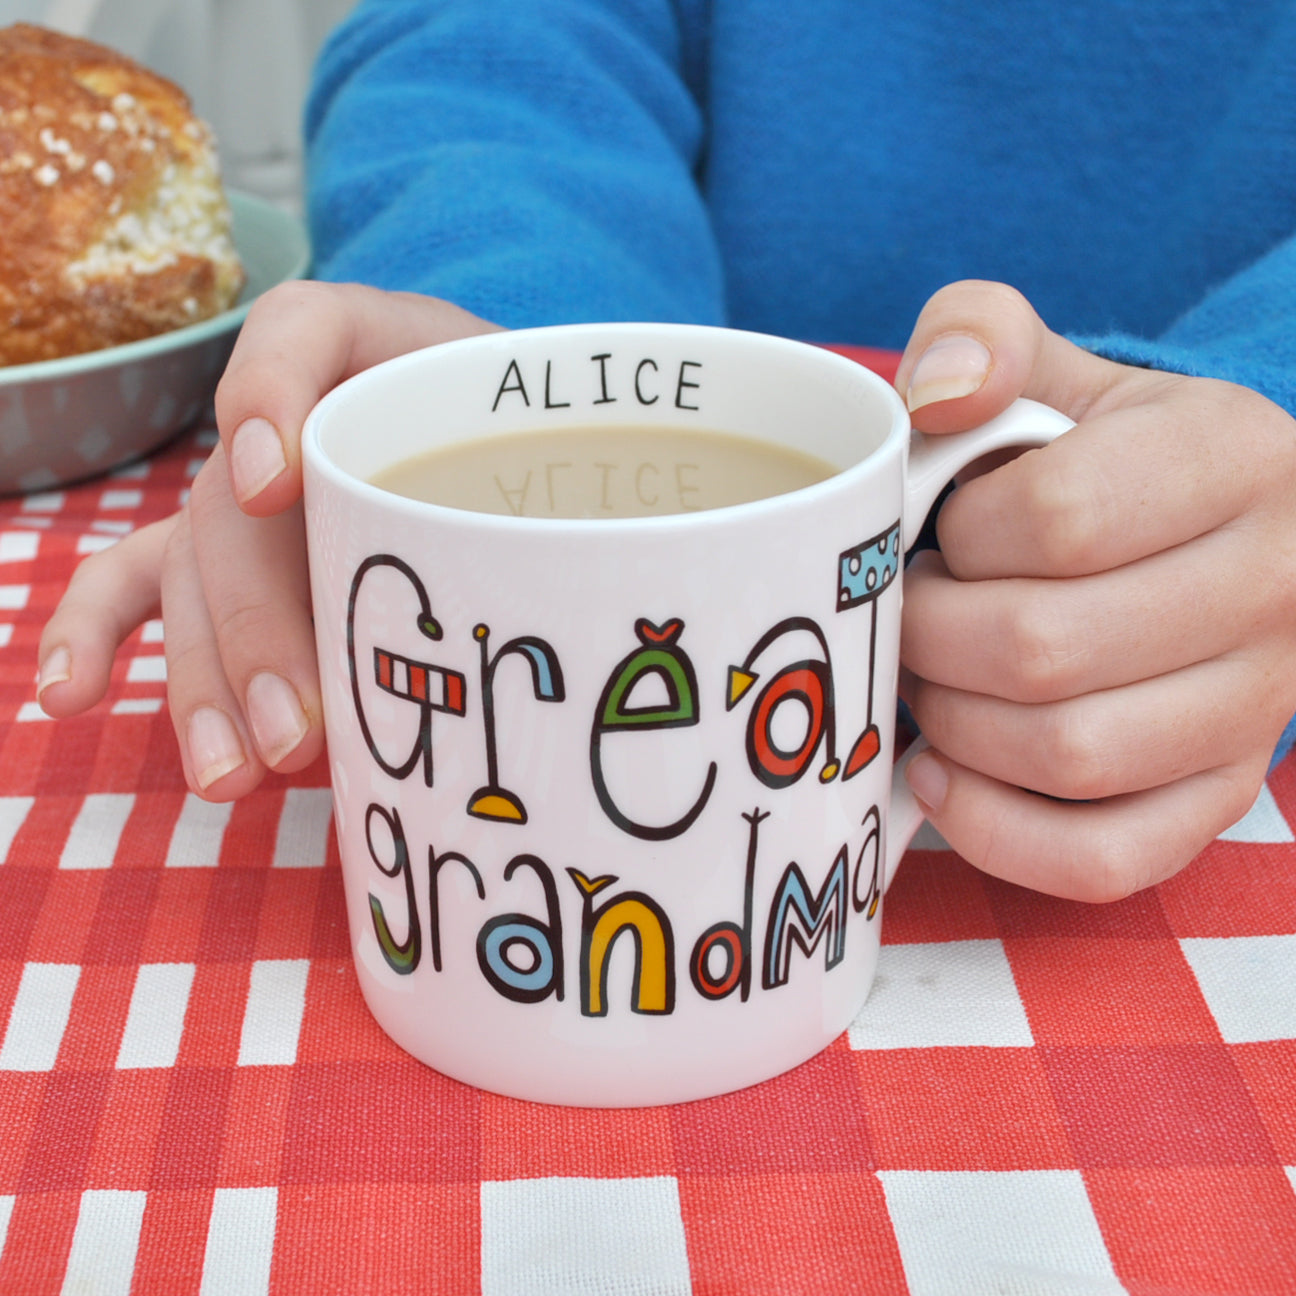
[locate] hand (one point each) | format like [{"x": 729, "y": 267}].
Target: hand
[
  {"x": 228, "y": 572},
  {"x": 1103, "y": 652}
]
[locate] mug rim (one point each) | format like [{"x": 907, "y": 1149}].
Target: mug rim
[{"x": 316, "y": 460}]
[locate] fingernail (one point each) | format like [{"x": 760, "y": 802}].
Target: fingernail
[
  {"x": 214, "y": 746},
  {"x": 256, "y": 457},
  {"x": 55, "y": 669},
  {"x": 276, "y": 716},
  {"x": 951, "y": 367},
  {"x": 927, "y": 780}
]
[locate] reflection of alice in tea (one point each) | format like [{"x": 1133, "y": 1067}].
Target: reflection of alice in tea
[{"x": 822, "y": 172}]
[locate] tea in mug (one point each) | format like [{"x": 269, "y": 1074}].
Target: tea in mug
[{"x": 621, "y": 471}]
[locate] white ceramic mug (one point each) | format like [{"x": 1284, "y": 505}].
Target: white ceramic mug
[{"x": 615, "y": 798}]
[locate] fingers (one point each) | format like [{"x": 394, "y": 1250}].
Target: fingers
[
  {"x": 1115, "y": 689},
  {"x": 216, "y": 750},
  {"x": 299, "y": 341},
  {"x": 977, "y": 346},
  {"x": 1037, "y": 640},
  {"x": 1157, "y": 458},
  {"x": 1109, "y": 619},
  {"x": 1127, "y": 482},
  {"x": 110, "y": 594},
  {"x": 1096, "y": 853},
  {"x": 242, "y": 683},
  {"x": 242, "y": 679},
  {"x": 1104, "y": 743}
]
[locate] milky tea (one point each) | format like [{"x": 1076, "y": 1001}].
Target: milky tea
[{"x": 602, "y": 472}]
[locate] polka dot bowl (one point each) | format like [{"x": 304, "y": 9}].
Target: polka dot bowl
[{"x": 65, "y": 420}]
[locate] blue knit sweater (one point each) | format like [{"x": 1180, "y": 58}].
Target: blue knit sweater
[{"x": 819, "y": 169}]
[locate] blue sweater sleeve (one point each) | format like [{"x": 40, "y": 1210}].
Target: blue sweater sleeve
[
  {"x": 532, "y": 163},
  {"x": 1243, "y": 330}
]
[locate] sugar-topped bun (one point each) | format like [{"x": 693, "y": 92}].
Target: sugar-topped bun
[{"x": 113, "y": 222}]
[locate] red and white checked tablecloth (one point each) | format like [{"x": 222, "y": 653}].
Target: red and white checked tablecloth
[{"x": 1039, "y": 1097}]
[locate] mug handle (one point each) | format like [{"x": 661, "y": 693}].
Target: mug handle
[{"x": 934, "y": 461}]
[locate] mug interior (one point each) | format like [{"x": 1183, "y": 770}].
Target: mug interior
[{"x": 747, "y": 384}]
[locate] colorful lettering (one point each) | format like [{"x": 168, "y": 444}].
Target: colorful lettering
[
  {"x": 493, "y": 800},
  {"x": 640, "y": 916},
  {"x": 731, "y": 940},
  {"x": 798, "y": 918},
  {"x": 435, "y": 864},
  {"x": 787, "y": 682},
  {"x": 867, "y": 569},
  {"x": 658, "y": 655},
  {"x": 807, "y": 684},
  {"x": 862, "y": 574},
  {"x": 541, "y": 942},
  {"x": 402, "y": 956},
  {"x": 431, "y": 688},
  {"x": 870, "y": 856},
  {"x": 434, "y": 686}
]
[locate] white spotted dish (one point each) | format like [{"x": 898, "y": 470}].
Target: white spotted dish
[{"x": 65, "y": 420}]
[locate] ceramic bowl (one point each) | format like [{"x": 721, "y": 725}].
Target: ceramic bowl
[{"x": 64, "y": 420}]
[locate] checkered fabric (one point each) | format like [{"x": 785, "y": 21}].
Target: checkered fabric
[{"x": 1039, "y": 1097}]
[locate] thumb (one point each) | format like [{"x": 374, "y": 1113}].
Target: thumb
[
  {"x": 299, "y": 341},
  {"x": 977, "y": 346}
]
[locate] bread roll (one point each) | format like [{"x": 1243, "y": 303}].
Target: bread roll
[{"x": 113, "y": 222}]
